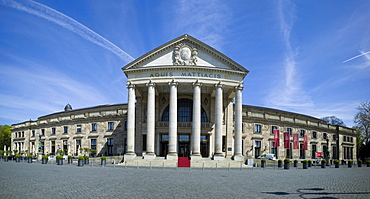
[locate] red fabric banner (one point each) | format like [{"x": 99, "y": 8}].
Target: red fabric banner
[
  {"x": 295, "y": 141},
  {"x": 305, "y": 142},
  {"x": 276, "y": 138},
  {"x": 286, "y": 140}
]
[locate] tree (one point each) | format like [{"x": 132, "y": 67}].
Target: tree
[
  {"x": 5, "y": 136},
  {"x": 362, "y": 121},
  {"x": 333, "y": 120}
]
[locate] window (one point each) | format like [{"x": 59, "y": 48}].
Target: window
[
  {"x": 33, "y": 133},
  {"x": 52, "y": 147},
  {"x": 313, "y": 156},
  {"x": 289, "y": 130},
  {"x": 42, "y": 132},
  {"x": 110, "y": 126},
  {"x": 325, "y": 136},
  {"x": 257, "y": 148},
  {"x": 273, "y": 128},
  {"x": 79, "y": 128},
  {"x": 274, "y": 149},
  {"x": 94, "y": 126},
  {"x": 93, "y": 144},
  {"x": 65, "y": 129},
  {"x": 110, "y": 143},
  {"x": 334, "y": 137},
  {"x": 22, "y": 133},
  {"x": 144, "y": 143},
  {"x": 302, "y": 132},
  {"x": 351, "y": 139},
  {"x": 257, "y": 128},
  {"x": 344, "y": 139},
  {"x": 184, "y": 112},
  {"x": 314, "y": 134},
  {"x": 65, "y": 146},
  {"x": 223, "y": 143},
  {"x": 53, "y": 131},
  {"x": 78, "y": 146}
]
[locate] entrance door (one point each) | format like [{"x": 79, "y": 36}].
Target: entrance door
[{"x": 184, "y": 146}]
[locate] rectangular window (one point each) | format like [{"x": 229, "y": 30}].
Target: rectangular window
[
  {"x": 78, "y": 146},
  {"x": 289, "y": 130},
  {"x": 110, "y": 143},
  {"x": 33, "y": 133},
  {"x": 274, "y": 149},
  {"x": 94, "y": 127},
  {"x": 302, "y": 132},
  {"x": 52, "y": 147},
  {"x": 110, "y": 126},
  {"x": 93, "y": 144},
  {"x": 313, "y": 156},
  {"x": 273, "y": 128},
  {"x": 325, "y": 136},
  {"x": 344, "y": 138},
  {"x": 22, "y": 133},
  {"x": 223, "y": 143},
  {"x": 257, "y": 128},
  {"x": 301, "y": 152},
  {"x": 65, "y": 129},
  {"x": 334, "y": 137},
  {"x": 42, "y": 132},
  {"x": 314, "y": 134},
  {"x": 257, "y": 148},
  {"x": 53, "y": 131},
  {"x": 79, "y": 128}
]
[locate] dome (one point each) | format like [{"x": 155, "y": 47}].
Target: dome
[{"x": 68, "y": 107}]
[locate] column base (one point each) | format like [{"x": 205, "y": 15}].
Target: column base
[
  {"x": 172, "y": 157},
  {"x": 149, "y": 156},
  {"x": 218, "y": 157},
  {"x": 129, "y": 156},
  {"x": 195, "y": 157},
  {"x": 239, "y": 158}
]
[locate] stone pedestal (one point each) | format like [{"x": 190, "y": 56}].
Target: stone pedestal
[
  {"x": 129, "y": 157},
  {"x": 195, "y": 157},
  {"x": 149, "y": 156},
  {"x": 218, "y": 157},
  {"x": 171, "y": 157},
  {"x": 239, "y": 158}
]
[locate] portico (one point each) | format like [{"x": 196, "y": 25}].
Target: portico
[{"x": 180, "y": 96}]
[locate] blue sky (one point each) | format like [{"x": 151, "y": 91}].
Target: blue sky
[{"x": 309, "y": 57}]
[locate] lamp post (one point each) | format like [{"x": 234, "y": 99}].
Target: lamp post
[
  {"x": 39, "y": 152},
  {"x": 337, "y": 142}
]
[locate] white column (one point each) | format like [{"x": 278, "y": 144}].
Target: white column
[
  {"x": 130, "y": 154},
  {"x": 218, "y": 155},
  {"x": 196, "y": 126},
  {"x": 150, "y": 122},
  {"x": 172, "y": 145},
  {"x": 238, "y": 155}
]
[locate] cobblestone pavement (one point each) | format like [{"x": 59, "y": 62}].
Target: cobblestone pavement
[{"x": 35, "y": 180}]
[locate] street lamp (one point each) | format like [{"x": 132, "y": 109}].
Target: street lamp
[{"x": 327, "y": 152}]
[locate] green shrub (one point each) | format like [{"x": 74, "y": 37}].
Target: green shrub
[
  {"x": 309, "y": 161},
  {"x": 45, "y": 157},
  {"x": 336, "y": 161},
  {"x": 263, "y": 160},
  {"x": 103, "y": 157},
  {"x": 323, "y": 161},
  {"x": 6, "y": 156},
  {"x": 286, "y": 160},
  {"x": 367, "y": 161},
  {"x": 59, "y": 157},
  {"x": 81, "y": 158},
  {"x": 86, "y": 157},
  {"x": 305, "y": 161},
  {"x": 350, "y": 161},
  {"x": 70, "y": 157},
  {"x": 359, "y": 161},
  {"x": 295, "y": 161},
  {"x": 17, "y": 156},
  {"x": 29, "y": 156},
  {"x": 280, "y": 161}
]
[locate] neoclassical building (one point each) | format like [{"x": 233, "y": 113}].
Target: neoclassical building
[{"x": 184, "y": 100}]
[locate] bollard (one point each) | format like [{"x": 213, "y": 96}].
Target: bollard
[
  {"x": 216, "y": 166},
  {"x": 203, "y": 166},
  {"x": 114, "y": 163},
  {"x": 137, "y": 165},
  {"x": 241, "y": 166},
  {"x": 150, "y": 165},
  {"x": 228, "y": 167},
  {"x": 163, "y": 166}
]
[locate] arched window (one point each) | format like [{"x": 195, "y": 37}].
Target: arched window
[{"x": 184, "y": 112}]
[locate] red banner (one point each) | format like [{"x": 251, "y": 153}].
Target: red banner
[
  {"x": 286, "y": 140},
  {"x": 295, "y": 141},
  {"x": 276, "y": 138},
  {"x": 319, "y": 155},
  {"x": 305, "y": 142}
]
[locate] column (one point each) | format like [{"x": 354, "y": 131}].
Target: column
[
  {"x": 218, "y": 155},
  {"x": 130, "y": 154},
  {"x": 238, "y": 155},
  {"x": 150, "y": 122},
  {"x": 196, "y": 126},
  {"x": 172, "y": 136}
]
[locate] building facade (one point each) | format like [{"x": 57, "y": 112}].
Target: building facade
[{"x": 184, "y": 100}]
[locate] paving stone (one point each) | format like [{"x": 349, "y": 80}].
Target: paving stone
[{"x": 24, "y": 180}]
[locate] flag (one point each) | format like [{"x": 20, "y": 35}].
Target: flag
[
  {"x": 295, "y": 141},
  {"x": 305, "y": 142},
  {"x": 286, "y": 140},
  {"x": 276, "y": 138}
]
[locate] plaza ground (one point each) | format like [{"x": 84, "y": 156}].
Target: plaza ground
[{"x": 35, "y": 180}]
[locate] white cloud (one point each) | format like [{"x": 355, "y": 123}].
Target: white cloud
[{"x": 66, "y": 22}]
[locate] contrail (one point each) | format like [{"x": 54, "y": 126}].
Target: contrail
[
  {"x": 63, "y": 20},
  {"x": 362, "y": 54}
]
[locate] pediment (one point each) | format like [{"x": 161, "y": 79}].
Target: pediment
[{"x": 185, "y": 51}]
